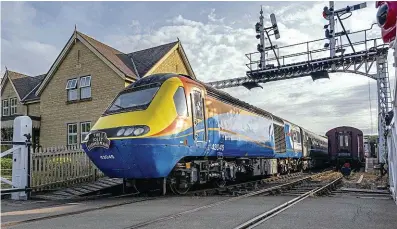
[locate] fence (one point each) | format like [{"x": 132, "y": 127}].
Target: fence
[{"x": 56, "y": 167}]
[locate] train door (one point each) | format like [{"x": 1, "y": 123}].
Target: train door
[
  {"x": 213, "y": 138},
  {"x": 198, "y": 116},
  {"x": 344, "y": 143},
  {"x": 297, "y": 139},
  {"x": 289, "y": 143},
  {"x": 305, "y": 144}
]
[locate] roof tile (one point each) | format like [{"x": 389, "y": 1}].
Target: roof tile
[
  {"x": 145, "y": 59},
  {"x": 25, "y": 85}
]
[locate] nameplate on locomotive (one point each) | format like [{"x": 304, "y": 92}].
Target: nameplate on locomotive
[{"x": 98, "y": 139}]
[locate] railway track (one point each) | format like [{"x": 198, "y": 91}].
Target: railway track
[
  {"x": 265, "y": 188},
  {"x": 309, "y": 189},
  {"x": 235, "y": 191}
]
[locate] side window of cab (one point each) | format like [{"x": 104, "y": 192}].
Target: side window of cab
[{"x": 180, "y": 102}]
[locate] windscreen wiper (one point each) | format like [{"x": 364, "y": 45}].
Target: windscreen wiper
[{"x": 119, "y": 106}]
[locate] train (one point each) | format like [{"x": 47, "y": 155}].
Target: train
[
  {"x": 173, "y": 131},
  {"x": 346, "y": 144}
]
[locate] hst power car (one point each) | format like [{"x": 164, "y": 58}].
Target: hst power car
[{"x": 171, "y": 129}]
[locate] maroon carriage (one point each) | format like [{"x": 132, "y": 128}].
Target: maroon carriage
[{"x": 345, "y": 144}]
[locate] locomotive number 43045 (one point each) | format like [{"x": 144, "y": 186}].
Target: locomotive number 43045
[
  {"x": 219, "y": 147},
  {"x": 107, "y": 157}
]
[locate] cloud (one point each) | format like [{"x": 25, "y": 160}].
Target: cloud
[{"x": 212, "y": 17}]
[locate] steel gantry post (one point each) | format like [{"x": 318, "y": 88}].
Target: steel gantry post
[{"x": 384, "y": 105}]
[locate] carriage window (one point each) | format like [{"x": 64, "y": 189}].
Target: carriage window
[
  {"x": 341, "y": 139},
  {"x": 198, "y": 105},
  {"x": 346, "y": 140},
  {"x": 180, "y": 102}
]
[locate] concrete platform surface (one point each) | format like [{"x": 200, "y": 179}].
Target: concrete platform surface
[{"x": 346, "y": 212}]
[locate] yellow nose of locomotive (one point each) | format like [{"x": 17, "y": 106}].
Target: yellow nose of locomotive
[{"x": 141, "y": 111}]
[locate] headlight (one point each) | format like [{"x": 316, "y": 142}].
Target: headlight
[
  {"x": 125, "y": 131},
  {"x": 120, "y": 132},
  {"x": 129, "y": 131},
  {"x": 136, "y": 130},
  {"x": 139, "y": 131}
]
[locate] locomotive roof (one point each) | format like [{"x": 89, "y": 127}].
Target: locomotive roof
[
  {"x": 344, "y": 128},
  {"x": 221, "y": 95}
]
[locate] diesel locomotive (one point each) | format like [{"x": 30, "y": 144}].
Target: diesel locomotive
[{"x": 177, "y": 132}]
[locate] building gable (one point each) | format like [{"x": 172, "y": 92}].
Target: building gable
[
  {"x": 59, "y": 110},
  {"x": 144, "y": 60},
  {"x": 9, "y": 93},
  {"x": 156, "y": 59},
  {"x": 8, "y": 90},
  {"x": 23, "y": 85},
  {"x": 172, "y": 63},
  {"x": 8, "y": 83},
  {"x": 107, "y": 54},
  {"x": 129, "y": 67},
  {"x": 111, "y": 56}
]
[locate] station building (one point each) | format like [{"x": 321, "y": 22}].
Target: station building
[{"x": 86, "y": 76}]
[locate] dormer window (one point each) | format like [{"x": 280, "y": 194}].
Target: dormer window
[{"x": 71, "y": 87}]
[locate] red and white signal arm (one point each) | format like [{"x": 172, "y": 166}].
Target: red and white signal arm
[{"x": 386, "y": 19}]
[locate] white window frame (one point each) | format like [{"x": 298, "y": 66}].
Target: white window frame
[
  {"x": 72, "y": 134},
  {"x": 82, "y": 134},
  {"x": 71, "y": 85},
  {"x": 85, "y": 82},
  {"x": 5, "y": 107},
  {"x": 13, "y": 106}
]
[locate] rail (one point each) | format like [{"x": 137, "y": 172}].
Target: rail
[{"x": 266, "y": 215}]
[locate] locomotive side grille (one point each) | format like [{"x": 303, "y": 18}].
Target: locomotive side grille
[{"x": 279, "y": 139}]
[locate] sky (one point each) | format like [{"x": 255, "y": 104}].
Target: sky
[{"x": 216, "y": 36}]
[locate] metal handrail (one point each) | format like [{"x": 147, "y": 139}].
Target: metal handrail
[{"x": 309, "y": 52}]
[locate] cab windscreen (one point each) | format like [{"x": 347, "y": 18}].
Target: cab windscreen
[{"x": 135, "y": 99}]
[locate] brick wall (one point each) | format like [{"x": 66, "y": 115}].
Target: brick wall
[
  {"x": 34, "y": 109},
  {"x": 173, "y": 64},
  {"x": 56, "y": 113}
]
